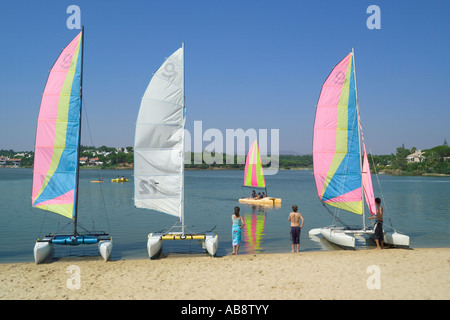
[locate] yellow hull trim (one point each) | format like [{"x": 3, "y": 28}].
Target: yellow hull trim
[
  {"x": 186, "y": 237},
  {"x": 267, "y": 200}
]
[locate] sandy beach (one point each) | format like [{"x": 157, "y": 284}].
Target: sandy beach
[{"x": 361, "y": 274}]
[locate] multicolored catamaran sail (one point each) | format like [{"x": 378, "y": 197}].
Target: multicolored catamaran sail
[
  {"x": 159, "y": 153},
  {"x": 341, "y": 166},
  {"x": 336, "y": 144},
  {"x": 254, "y": 175},
  {"x": 57, "y": 136},
  {"x": 57, "y": 148},
  {"x": 254, "y": 178}
]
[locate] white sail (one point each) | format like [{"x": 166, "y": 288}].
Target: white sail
[{"x": 159, "y": 141}]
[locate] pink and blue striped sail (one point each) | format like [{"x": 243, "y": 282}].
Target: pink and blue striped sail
[
  {"x": 336, "y": 149},
  {"x": 366, "y": 178},
  {"x": 57, "y": 136}
]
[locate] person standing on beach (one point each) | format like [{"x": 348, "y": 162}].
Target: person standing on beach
[
  {"x": 294, "y": 218},
  {"x": 378, "y": 233},
  {"x": 237, "y": 223}
]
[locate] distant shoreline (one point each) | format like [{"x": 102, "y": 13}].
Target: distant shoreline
[
  {"x": 187, "y": 169},
  {"x": 399, "y": 173},
  {"x": 390, "y": 173}
]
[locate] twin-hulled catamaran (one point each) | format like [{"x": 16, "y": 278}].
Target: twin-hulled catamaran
[
  {"x": 159, "y": 153},
  {"x": 254, "y": 178},
  {"x": 341, "y": 166},
  {"x": 57, "y": 149}
]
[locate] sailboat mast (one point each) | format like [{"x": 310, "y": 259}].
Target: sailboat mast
[
  {"x": 359, "y": 138},
  {"x": 79, "y": 137},
  {"x": 182, "y": 154}
]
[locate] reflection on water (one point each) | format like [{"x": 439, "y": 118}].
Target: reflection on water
[{"x": 255, "y": 220}]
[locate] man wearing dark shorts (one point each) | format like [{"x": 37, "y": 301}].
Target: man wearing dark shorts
[
  {"x": 378, "y": 235},
  {"x": 294, "y": 218}
]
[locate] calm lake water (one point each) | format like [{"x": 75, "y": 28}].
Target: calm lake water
[{"x": 416, "y": 206}]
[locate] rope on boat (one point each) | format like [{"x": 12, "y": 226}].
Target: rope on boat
[
  {"x": 381, "y": 191},
  {"x": 97, "y": 170}
]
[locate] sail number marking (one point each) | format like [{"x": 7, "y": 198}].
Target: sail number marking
[{"x": 146, "y": 185}]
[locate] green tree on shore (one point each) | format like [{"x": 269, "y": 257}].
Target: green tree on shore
[
  {"x": 436, "y": 160},
  {"x": 399, "y": 162}
]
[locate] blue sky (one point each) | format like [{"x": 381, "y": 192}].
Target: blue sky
[{"x": 249, "y": 64}]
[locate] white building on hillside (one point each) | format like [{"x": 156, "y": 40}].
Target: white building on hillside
[{"x": 417, "y": 156}]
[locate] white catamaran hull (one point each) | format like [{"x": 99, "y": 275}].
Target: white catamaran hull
[
  {"x": 396, "y": 239},
  {"x": 155, "y": 242},
  {"x": 42, "y": 251},
  {"x": 154, "y": 245},
  {"x": 338, "y": 237},
  {"x": 211, "y": 243},
  {"x": 105, "y": 248},
  {"x": 345, "y": 238}
]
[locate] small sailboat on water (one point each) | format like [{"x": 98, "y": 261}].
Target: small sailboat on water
[
  {"x": 341, "y": 166},
  {"x": 57, "y": 150},
  {"x": 254, "y": 178},
  {"x": 159, "y": 154}
]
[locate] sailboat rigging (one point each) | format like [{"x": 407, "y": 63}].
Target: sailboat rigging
[
  {"x": 159, "y": 153},
  {"x": 57, "y": 150},
  {"x": 341, "y": 166}
]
